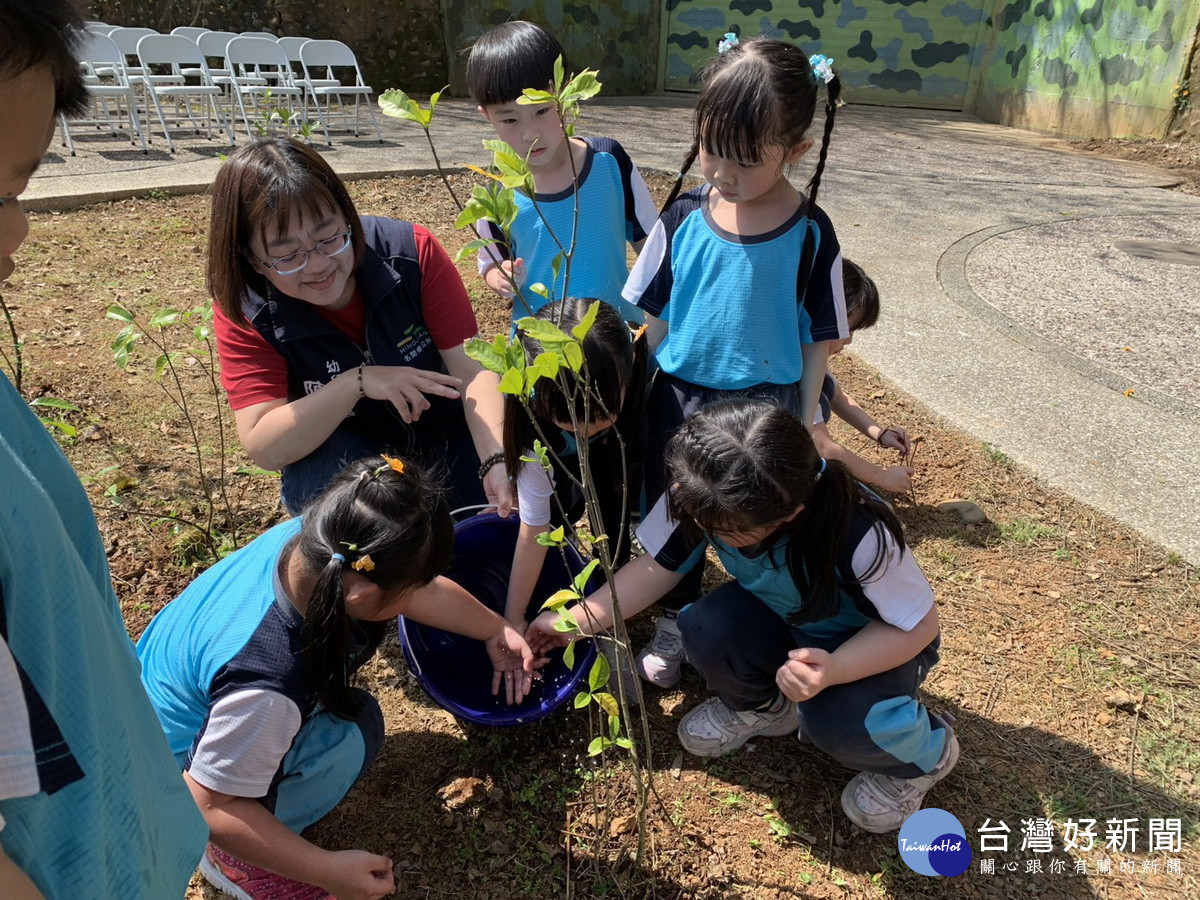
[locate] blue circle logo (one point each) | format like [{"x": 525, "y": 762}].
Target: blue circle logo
[{"x": 933, "y": 842}]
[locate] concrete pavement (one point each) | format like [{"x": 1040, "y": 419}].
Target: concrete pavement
[{"x": 1014, "y": 271}]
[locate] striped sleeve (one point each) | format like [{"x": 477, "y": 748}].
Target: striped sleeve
[
  {"x": 667, "y": 542},
  {"x": 825, "y": 299},
  {"x": 898, "y": 591},
  {"x": 494, "y": 253}
]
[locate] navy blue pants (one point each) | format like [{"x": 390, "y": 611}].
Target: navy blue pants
[
  {"x": 876, "y": 724},
  {"x": 447, "y": 450}
]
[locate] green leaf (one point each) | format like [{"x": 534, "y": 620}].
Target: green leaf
[
  {"x": 569, "y": 655},
  {"x": 164, "y": 317},
  {"x": 399, "y": 105},
  {"x": 485, "y": 354},
  {"x": 542, "y": 331},
  {"x": 614, "y": 727},
  {"x": 161, "y": 364},
  {"x": 554, "y": 539},
  {"x": 68, "y": 430},
  {"x": 597, "y": 746},
  {"x": 583, "y": 86},
  {"x": 559, "y": 599},
  {"x": 513, "y": 382},
  {"x": 566, "y": 622},
  {"x": 118, "y": 312},
  {"x": 53, "y": 403},
  {"x": 574, "y": 354},
  {"x": 532, "y": 97},
  {"x": 580, "y": 331},
  {"x": 581, "y": 579},
  {"x": 540, "y": 289},
  {"x": 624, "y": 742},
  {"x": 582, "y": 699},
  {"x": 608, "y": 703},
  {"x": 559, "y": 74},
  {"x": 599, "y": 675},
  {"x": 434, "y": 98},
  {"x": 470, "y": 248}
]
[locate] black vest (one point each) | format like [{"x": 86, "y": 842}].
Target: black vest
[{"x": 389, "y": 282}]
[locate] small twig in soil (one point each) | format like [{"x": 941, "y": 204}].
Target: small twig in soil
[{"x": 916, "y": 442}]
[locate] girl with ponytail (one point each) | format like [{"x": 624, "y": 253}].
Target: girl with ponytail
[
  {"x": 741, "y": 278},
  {"x": 828, "y": 626},
  {"x": 251, "y": 671}
]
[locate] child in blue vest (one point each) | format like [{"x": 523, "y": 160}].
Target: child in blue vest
[
  {"x": 828, "y": 627},
  {"x": 741, "y": 278},
  {"x": 862, "y": 311},
  {"x": 251, "y": 672},
  {"x": 90, "y": 800},
  {"x": 594, "y": 175}
]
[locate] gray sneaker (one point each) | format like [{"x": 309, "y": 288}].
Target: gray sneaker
[
  {"x": 713, "y": 729},
  {"x": 660, "y": 660},
  {"x": 881, "y": 803}
]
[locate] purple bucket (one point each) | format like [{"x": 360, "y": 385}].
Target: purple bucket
[{"x": 454, "y": 670}]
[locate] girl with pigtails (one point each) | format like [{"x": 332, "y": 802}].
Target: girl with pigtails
[
  {"x": 251, "y": 672},
  {"x": 741, "y": 278},
  {"x": 828, "y": 626}
]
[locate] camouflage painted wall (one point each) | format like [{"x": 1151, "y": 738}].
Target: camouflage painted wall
[
  {"x": 907, "y": 52},
  {"x": 1096, "y": 68},
  {"x": 618, "y": 37},
  {"x": 397, "y": 42}
]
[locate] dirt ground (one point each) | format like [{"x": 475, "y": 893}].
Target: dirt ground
[{"x": 1070, "y": 661}]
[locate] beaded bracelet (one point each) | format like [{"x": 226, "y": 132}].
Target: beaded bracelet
[
  {"x": 490, "y": 463},
  {"x": 361, "y": 392}
]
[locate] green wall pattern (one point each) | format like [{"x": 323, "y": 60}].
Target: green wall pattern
[
  {"x": 1097, "y": 68},
  {"x": 617, "y": 37},
  {"x": 905, "y": 52}
]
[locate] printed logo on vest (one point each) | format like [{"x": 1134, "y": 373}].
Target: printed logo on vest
[{"x": 416, "y": 341}]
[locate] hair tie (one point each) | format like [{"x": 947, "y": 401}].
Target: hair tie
[
  {"x": 820, "y": 471},
  {"x": 822, "y": 67},
  {"x": 727, "y": 43},
  {"x": 337, "y": 556}
]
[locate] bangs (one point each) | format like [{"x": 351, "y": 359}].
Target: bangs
[
  {"x": 730, "y": 116},
  {"x": 296, "y": 194},
  {"x": 506, "y": 80}
]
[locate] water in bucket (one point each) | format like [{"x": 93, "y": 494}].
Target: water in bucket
[{"x": 454, "y": 670}]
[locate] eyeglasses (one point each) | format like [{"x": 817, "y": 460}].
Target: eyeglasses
[{"x": 295, "y": 262}]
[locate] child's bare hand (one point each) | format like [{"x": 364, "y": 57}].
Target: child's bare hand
[
  {"x": 512, "y": 664},
  {"x": 807, "y": 672},
  {"x": 897, "y": 479},
  {"x": 895, "y": 438},
  {"x": 359, "y": 875},
  {"x": 541, "y": 635},
  {"x": 514, "y": 277}
]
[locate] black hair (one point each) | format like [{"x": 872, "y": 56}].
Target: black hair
[
  {"x": 761, "y": 93},
  {"x": 510, "y": 58},
  {"x": 737, "y": 465},
  {"x": 615, "y": 362},
  {"x": 44, "y": 32},
  {"x": 401, "y": 521},
  {"x": 862, "y": 296}
]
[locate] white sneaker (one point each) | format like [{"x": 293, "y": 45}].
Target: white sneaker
[
  {"x": 659, "y": 661},
  {"x": 713, "y": 729},
  {"x": 881, "y": 803}
]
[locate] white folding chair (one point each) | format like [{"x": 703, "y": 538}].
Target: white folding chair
[
  {"x": 327, "y": 59},
  {"x": 190, "y": 32},
  {"x": 106, "y": 82},
  {"x": 250, "y": 60},
  {"x": 100, "y": 28},
  {"x": 127, "y": 39},
  {"x": 177, "y": 53}
]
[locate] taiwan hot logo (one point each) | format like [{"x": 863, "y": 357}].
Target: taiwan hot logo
[{"x": 933, "y": 842}]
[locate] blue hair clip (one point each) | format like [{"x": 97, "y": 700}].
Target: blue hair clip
[
  {"x": 728, "y": 42},
  {"x": 822, "y": 67},
  {"x": 337, "y": 556},
  {"x": 820, "y": 471}
]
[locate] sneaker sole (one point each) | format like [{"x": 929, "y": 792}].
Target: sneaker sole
[
  {"x": 850, "y": 807},
  {"x": 737, "y": 743},
  {"x": 214, "y": 876}
]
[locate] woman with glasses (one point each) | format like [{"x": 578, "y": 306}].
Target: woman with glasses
[{"x": 341, "y": 336}]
